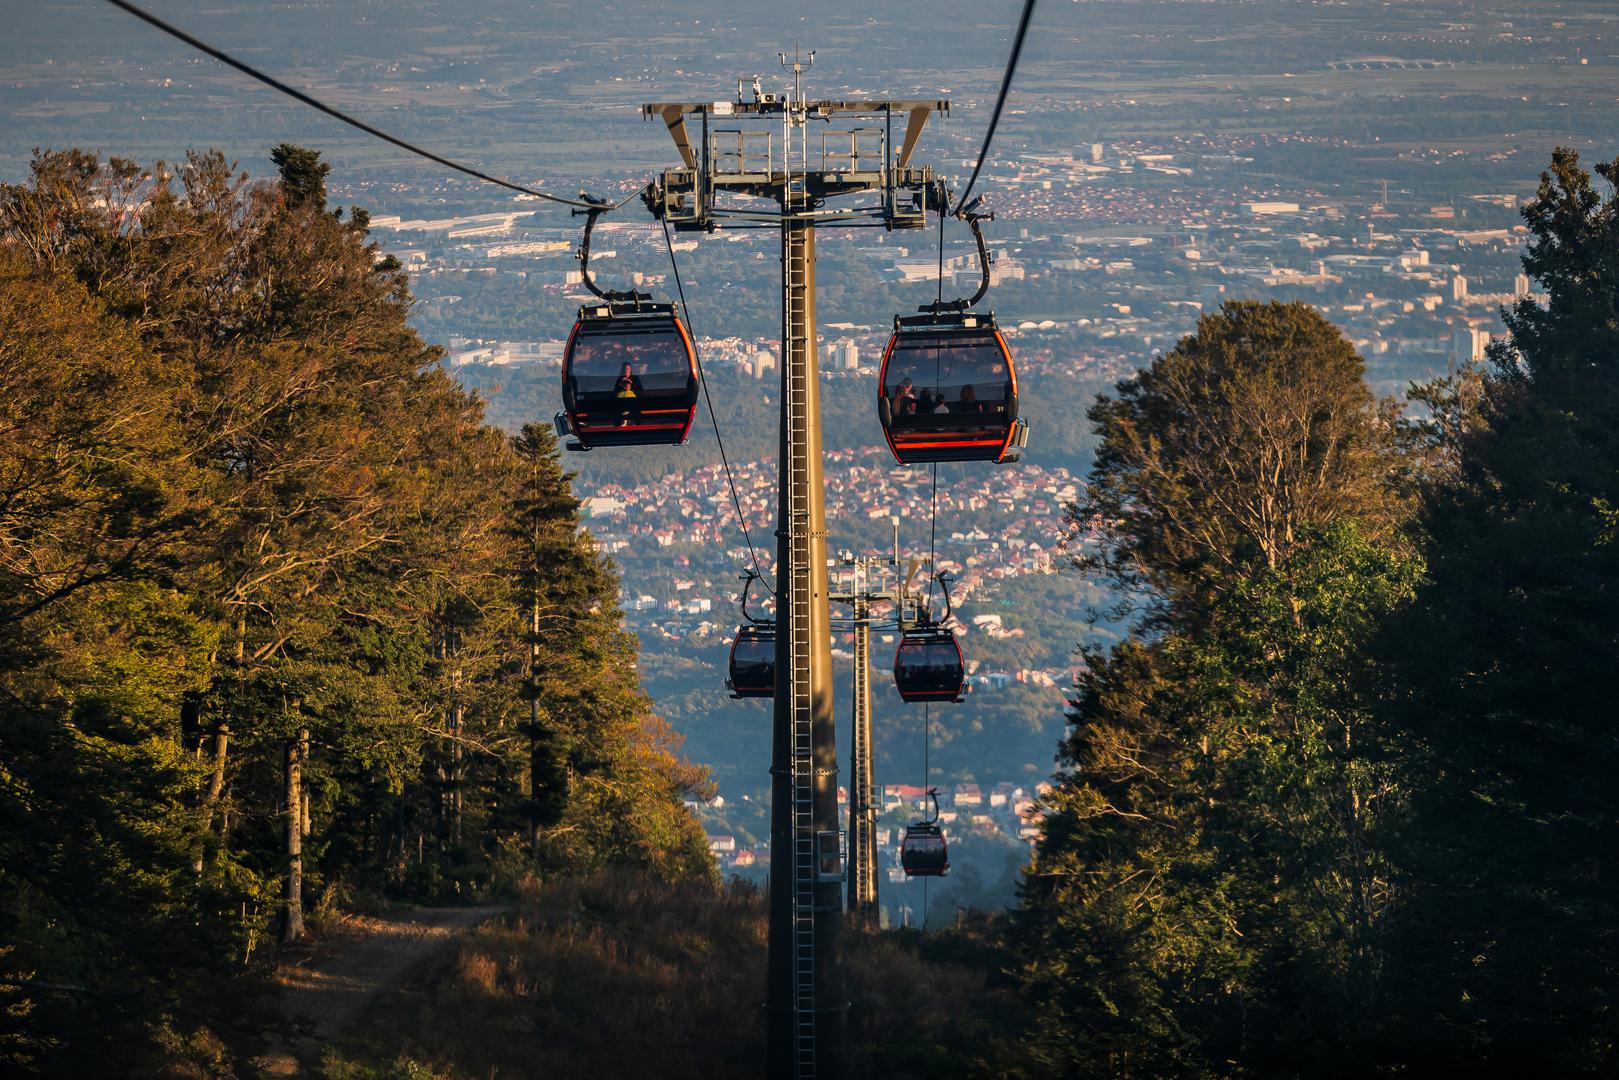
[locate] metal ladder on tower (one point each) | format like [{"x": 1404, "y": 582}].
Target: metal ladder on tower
[
  {"x": 805, "y": 841},
  {"x": 863, "y": 798}
]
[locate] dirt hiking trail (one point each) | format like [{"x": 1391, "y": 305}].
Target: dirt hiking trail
[{"x": 351, "y": 967}]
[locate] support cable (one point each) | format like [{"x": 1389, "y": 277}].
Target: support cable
[
  {"x": 713, "y": 418},
  {"x": 336, "y": 114},
  {"x": 927, "y": 745},
  {"x": 933, "y": 495},
  {"x": 933, "y": 533},
  {"x": 1000, "y": 102}
]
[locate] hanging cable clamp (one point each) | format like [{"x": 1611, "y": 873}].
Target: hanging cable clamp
[{"x": 631, "y": 299}]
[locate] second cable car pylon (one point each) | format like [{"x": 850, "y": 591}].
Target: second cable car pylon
[{"x": 806, "y": 1002}]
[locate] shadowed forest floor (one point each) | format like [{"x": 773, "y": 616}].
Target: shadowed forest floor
[
  {"x": 617, "y": 976},
  {"x": 354, "y": 965}
]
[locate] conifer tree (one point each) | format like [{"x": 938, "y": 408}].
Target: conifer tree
[{"x": 1512, "y": 960}]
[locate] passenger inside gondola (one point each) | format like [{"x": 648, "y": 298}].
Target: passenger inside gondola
[
  {"x": 954, "y": 373},
  {"x": 905, "y": 398},
  {"x": 628, "y": 385}
]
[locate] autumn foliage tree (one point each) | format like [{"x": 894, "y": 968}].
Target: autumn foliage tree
[{"x": 267, "y": 587}]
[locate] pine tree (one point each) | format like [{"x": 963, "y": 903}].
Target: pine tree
[
  {"x": 598, "y": 741},
  {"x": 1509, "y": 658}
]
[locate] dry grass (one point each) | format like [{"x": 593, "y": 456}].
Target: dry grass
[
  {"x": 617, "y": 976},
  {"x": 610, "y": 976},
  {"x": 931, "y": 1005}
]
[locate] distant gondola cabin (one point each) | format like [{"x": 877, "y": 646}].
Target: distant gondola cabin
[
  {"x": 928, "y": 666},
  {"x": 753, "y": 662},
  {"x": 923, "y": 852}
]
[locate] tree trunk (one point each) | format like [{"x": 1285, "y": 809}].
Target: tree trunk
[
  {"x": 216, "y": 779},
  {"x": 456, "y": 766},
  {"x": 535, "y": 837},
  {"x": 292, "y": 927},
  {"x": 303, "y": 757},
  {"x": 216, "y": 787}
]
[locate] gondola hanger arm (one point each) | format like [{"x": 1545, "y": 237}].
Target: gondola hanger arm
[
  {"x": 972, "y": 216},
  {"x": 749, "y": 576},
  {"x": 943, "y": 578},
  {"x": 597, "y": 208}
]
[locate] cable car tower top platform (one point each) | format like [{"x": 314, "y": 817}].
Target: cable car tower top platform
[{"x": 735, "y": 155}]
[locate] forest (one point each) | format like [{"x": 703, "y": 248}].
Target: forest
[
  {"x": 1341, "y": 805},
  {"x": 288, "y": 629},
  {"x": 284, "y": 624}
]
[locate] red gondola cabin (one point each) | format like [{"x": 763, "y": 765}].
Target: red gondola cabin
[
  {"x": 928, "y": 665},
  {"x": 948, "y": 391},
  {"x": 629, "y": 376}
]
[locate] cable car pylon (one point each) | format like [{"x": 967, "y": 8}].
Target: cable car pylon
[
  {"x": 860, "y": 595},
  {"x": 806, "y": 1000},
  {"x": 862, "y": 781}
]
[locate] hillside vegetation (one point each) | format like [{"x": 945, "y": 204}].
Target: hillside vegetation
[
  {"x": 287, "y": 628},
  {"x": 283, "y": 623},
  {"x": 617, "y": 975},
  {"x": 1343, "y": 803}
]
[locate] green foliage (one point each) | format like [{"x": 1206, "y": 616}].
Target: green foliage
[
  {"x": 267, "y": 584},
  {"x": 1249, "y": 432},
  {"x": 98, "y": 655},
  {"x": 303, "y": 175},
  {"x": 1507, "y": 665},
  {"x": 1209, "y": 895},
  {"x": 1344, "y": 805}
]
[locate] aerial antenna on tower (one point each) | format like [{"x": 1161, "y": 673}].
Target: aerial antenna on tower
[{"x": 799, "y": 65}]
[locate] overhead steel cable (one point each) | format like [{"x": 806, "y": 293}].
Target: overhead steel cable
[
  {"x": 933, "y": 534},
  {"x": 1000, "y": 102},
  {"x": 933, "y": 494},
  {"x": 713, "y": 418},
  {"x": 927, "y": 782},
  {"x": 337, "y": 114}
]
